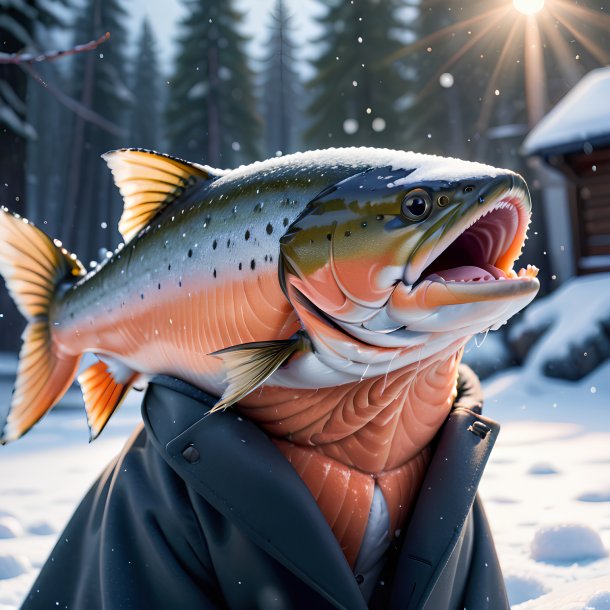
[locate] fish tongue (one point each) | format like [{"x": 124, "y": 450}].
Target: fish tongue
[{"x": 469, "y": 273}]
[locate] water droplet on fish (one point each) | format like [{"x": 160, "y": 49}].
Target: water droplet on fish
[{"x": 104, "y": 225}]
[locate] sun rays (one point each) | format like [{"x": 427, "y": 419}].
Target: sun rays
[
  {"x": 528, "y": 7},
  {"x": 531, "y": 41}
]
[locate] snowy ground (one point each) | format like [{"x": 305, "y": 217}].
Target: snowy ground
[
  {"x": 42, "y": 477},
  {"x": 546, "y": 489}
]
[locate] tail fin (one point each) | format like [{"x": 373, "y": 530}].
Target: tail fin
[{"x": 33, "y": 266}]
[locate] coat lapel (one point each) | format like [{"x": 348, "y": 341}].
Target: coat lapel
[
  {"x": 438, "y": 528},
  {"x": 238, "y": 470}
]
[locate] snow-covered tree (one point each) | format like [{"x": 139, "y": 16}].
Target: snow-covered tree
[
  {"x": 282, "y": 88},
  {"x": 211, "y": 115},
  {"x": 145, "y": 116},
  {"x": 357, "y": 87}
]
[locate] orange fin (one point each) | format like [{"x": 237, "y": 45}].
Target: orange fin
[
  {"x": 149, "y": 182},
  {"x": 251, "y": 364},
  {"x": 102, "y": 394},
  {"x": 32, "y": 266},
  {"x": 42, "y": 379}
]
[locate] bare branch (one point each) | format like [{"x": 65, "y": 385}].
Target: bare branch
[
  {"x": 29, "y": 58},
  {"x": 79, "y": 109}
]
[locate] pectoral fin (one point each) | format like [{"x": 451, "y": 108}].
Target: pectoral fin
[{"x": 251, "y": 364}]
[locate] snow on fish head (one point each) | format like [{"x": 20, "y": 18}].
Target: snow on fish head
[{"x": 401, "y": 263}]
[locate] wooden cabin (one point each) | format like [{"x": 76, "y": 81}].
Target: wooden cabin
[{"x": 574, "y": 140}]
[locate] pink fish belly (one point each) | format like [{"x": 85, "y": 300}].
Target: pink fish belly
[{"x": 176, "y": 332}]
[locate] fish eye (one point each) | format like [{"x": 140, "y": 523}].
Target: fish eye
[{"x": 416, "y": 205}]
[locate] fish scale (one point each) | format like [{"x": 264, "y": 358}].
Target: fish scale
[{"x": 341, "y": 285}]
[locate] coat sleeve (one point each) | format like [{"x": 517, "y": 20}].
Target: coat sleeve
[{"x": 134, "y": 542}]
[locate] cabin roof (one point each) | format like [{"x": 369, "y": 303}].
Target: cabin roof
[{"x": 580, "y": 121}]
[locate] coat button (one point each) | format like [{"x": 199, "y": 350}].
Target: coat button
[
  {"x": 191, "y": 454},
  {"x": 479, "y": 429}
]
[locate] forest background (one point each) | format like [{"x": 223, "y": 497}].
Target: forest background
[{"x": 418, "y": 75}]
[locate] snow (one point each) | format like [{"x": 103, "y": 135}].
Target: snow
[
  {"x": 523, "y": 587},
  {"x": 546, "y": 488},
  {"x": 10, "y": 527},
  {"x": 42, "y": 478},
  {"x": 567, "y": 333},
  {"x": 599, "y": 601},
  {"x": 582, "y": 116},
  {"x": 567, "y": 543},
  {"x": 601, "y": 495},
  {"x": 13, "y": 565},
  {"x": 542, "y": 468}
]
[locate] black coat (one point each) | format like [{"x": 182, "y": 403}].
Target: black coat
[{"x": 204, "y": 512}]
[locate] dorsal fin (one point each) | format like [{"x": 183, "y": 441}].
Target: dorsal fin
[{"x": 149, "y": 182}]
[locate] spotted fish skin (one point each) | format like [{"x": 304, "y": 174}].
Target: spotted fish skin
[
  {"x": 203, "y": 275},
  {"x": 328, "y": 295},
  {"x": 306, "y": 271}
]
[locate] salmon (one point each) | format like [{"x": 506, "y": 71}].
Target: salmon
[{"x": 340, "y": 284}]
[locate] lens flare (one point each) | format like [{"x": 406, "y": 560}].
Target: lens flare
[{"x": 528, "y": 7}]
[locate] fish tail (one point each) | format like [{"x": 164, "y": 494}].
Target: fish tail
[{"x": 33, "y": 266}]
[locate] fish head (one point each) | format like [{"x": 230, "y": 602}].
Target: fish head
[{"x": 409, "y": 259}]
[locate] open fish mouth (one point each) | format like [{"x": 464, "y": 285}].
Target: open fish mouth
[
  {"x": 457, "y": 280},
  {"x": 474, "y": 259}
]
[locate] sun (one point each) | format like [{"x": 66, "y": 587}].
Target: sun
[{"x": 528, "y": 7}]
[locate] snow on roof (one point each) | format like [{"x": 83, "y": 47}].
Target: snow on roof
[{"x": 582, "y": 116}]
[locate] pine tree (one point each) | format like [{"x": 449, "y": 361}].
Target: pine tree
[
  {"x": 92, "y": 201},
  {"x": 145, "y": 117},
  {"x": 281, "y": 86},
  {"x": 211, "y": 115},
  {"x": 356, "y": 88},
  {"x": 492, "y": 48},
  {"x": 18, "y": 25},
  {"x": 435, "y": 121},
  {"x": 15, "y": 34},
  {"x": 48, "y": 154}
]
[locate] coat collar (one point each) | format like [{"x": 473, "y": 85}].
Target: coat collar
[
  {"x": 242, "y": 474},
  {"x": 239, "y": 471}
]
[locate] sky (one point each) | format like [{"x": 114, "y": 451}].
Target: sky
[{"x": 165, "y": 16}]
